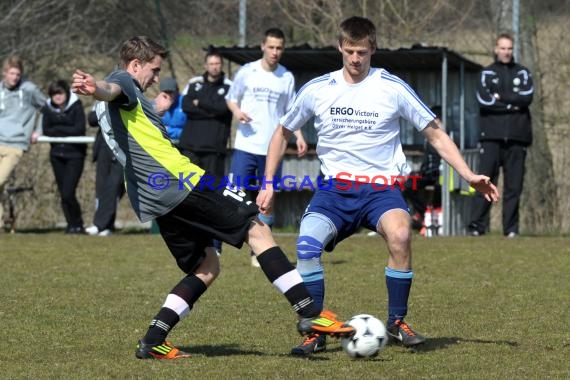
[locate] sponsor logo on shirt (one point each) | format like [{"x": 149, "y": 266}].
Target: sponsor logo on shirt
[{"x": 351, "y": 111}]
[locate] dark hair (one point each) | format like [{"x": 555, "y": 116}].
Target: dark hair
[
  {"x": 355, "y": 28},
  {"x": 59, "y": 86},
  {"x": 213, "y": 53},
  {"x": 142, "y": 48},
  {"x": 275, "y": 33}
]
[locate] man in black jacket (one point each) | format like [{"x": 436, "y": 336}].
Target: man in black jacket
[
  {"x": 504, "y": 93},
  {"x": 205, "y": 135},
  {"x": 206, "y": 132}
]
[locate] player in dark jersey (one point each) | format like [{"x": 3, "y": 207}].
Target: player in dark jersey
[{"x": 190, "y": 207}]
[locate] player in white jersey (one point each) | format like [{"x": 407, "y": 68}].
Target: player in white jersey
[
  {"x": 262, "y": 91},
  {"x": 356, "y": 112}
]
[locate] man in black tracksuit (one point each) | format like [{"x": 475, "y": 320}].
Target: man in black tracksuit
[
  {"x": 205, "y": 136},
  {"x": 504, "y": 92}
]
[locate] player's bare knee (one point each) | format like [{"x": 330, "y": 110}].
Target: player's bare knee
[{"x": 400, "y": 237}]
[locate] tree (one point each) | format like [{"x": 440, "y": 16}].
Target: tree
[
  {"x": 399, "y": 23},
  {"x": 540, "y": 213},
  {"x": 538, "y": 208},
  {"x": 54, "y": 37}
]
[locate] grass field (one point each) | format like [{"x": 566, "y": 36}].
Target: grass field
[{"x": 74, "y": 306}]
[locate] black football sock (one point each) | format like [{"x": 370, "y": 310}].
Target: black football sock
[
  {"x": 160, "y": 326},
  {"x": 177, "y": 305},
  {"x": 281, "y": 273}
]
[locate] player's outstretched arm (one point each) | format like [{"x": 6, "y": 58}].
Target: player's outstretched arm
[
  {"x": 449, "y": 152},
  {"x": 85, "y": 84}
]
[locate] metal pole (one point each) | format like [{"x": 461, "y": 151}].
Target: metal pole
[
  {"x": 516, "y": 19},
  {"x": 445, "y": 195},
  {"x": 461, "y": 106},
  {"x": 242, "y": 22},
  {"x": 458, "y": 215}
]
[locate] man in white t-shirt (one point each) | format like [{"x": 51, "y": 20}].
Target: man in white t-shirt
[
  {"x": 262, "y": 91},
  {"x": 356, "y": 112}
]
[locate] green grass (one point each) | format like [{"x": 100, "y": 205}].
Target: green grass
[{"x": 74, "y": 307}]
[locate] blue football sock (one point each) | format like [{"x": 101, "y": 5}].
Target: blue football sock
[
  {"x": 398, "y": 284},
  {"x": 317, "y": 291}
]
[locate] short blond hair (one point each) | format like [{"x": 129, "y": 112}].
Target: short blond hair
[
  {"x": 507, "y": 36},
  {"x": 13, "y": 61}
]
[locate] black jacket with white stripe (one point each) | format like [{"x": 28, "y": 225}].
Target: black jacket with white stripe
[{"x": 504, "y": 93}]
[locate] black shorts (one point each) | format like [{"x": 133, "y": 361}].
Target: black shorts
[{"x": 210, "y": 211}]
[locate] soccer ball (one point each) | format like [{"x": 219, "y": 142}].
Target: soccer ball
[{"x": 369, "y": 339}]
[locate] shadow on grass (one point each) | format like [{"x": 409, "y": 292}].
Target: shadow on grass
[
  {"x": 322, "y": 357},
  {"x": 335, "y": 347},
  {"x": 220, "y": 350},
  {"x": 337, "y": 262},
  {"x": 433, "y": 344},
  {"x": 319, "y": 357},
  {"x": 236, "y": 350}
]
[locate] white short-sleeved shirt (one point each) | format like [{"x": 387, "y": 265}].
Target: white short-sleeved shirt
[
  {"x": 265, "y": 96},
  {"x": 358, "y": 125}
]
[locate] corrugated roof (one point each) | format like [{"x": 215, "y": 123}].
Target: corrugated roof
[{"x": 326, "y": 59}]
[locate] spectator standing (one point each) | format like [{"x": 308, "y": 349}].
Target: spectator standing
[
  {"x": 20, "y": 100},
  {"x": 205, "y": 137},
  {"x": 504, "y": 91},
  {"x": 109, "y": 184},
  {"x": 174, "y": 118},
  {"x": 262, "y": 91},
  {"x": 64, "y": 116}
]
